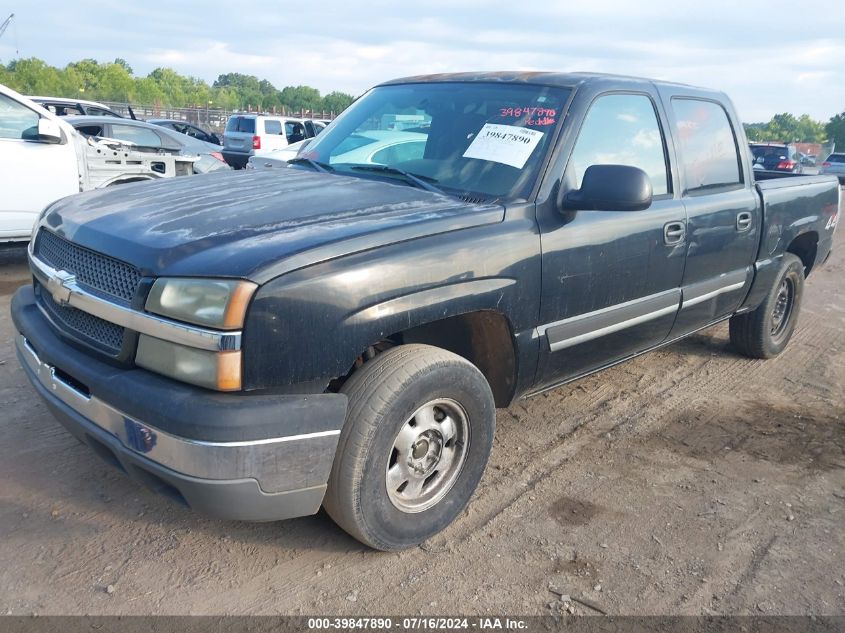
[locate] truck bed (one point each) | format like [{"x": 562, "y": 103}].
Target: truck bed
[{"x": 794, "y": 205}]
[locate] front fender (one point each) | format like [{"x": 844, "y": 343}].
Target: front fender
[{"x": 309, "y": 326}]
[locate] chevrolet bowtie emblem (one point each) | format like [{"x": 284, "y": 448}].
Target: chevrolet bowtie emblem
[{"x": 61, "y": 286}]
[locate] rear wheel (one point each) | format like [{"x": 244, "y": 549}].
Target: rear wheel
[
  {"x": 417, "y": 436},
  {"x": 765, "y": 332}
]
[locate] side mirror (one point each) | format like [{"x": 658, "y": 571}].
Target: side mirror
[
  {"x": 49, "y": 131},
  {"x": 610, "y": 188}
]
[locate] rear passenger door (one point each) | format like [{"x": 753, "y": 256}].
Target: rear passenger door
[
  {"x": 274, "y": 136},
  {"x": 723, "y": 211},
  {"x": 611, "y": 279}
]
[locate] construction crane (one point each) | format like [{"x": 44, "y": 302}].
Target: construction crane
[{"x": 5, "y": 24}]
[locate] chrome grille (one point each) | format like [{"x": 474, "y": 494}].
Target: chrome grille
[
  {"x": 91, "y": 329},
  {"x": 100, "y": 273}
]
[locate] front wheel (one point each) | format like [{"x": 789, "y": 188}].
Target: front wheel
[
  {"x": 417, "y": 436},
  {"x": 764, "y": 332}
]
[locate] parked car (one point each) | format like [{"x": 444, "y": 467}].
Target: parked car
[
  {"x": 835, "y": 166},
  {"x": 375, "y": 147},
  {"x": 74, "y": 107},
  {"x": 277, "y": 158},
  {"x": 188, "y": 129},
  {"x": 340, "y": 333},
  {"x": 152, "y": 137},
  {"x": 777, "y": 157},
  {"x": 257, "y": 134},
  {"x": 43, "y": 159}
]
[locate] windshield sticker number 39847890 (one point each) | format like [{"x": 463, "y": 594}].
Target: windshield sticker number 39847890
[{"x": 506, "y": 144}]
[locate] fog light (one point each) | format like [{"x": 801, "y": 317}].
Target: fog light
[{"x": 220, "y": 371}]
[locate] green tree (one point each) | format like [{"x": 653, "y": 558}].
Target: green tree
[
  {"x": 787, "y": 127},
  {"x": 115, "y": 84},
  {"x": 86, "y": 74},
  {"x": 337, "y": 102},
  {"x": 122, "y": 62},
  {"x": 34, "y": 77},
  {"x": 835, "y": 130},
  {"x": 164, "y": 87},
  {"x": 301, "y": 98}
]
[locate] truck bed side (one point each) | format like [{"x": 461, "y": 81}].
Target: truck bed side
[
  {"x": 800, "y": 214},
  {"x": 799, "y": 209}
]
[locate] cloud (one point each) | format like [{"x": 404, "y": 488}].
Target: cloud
[{"x": 767, "y": 63}]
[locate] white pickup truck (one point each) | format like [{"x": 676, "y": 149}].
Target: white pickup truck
[{"x": 42, "y": 159}]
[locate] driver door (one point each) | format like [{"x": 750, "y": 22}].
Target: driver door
[{"x": 611, "y": 279}]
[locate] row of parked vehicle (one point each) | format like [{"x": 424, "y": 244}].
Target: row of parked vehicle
[
  {"x": 53, "y": 147},
  {"x": 246, "y": 135},
  {"x": 785, "y": 157}
]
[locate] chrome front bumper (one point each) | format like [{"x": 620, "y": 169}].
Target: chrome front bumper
[{"x": 278, "y": 464}]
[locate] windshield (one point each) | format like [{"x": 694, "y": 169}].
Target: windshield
[{"x": 470, "y": 139}]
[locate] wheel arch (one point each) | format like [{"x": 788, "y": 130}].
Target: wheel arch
[
  {"x": 483, "y": 337},
  {"x": 805, "y": 247}
]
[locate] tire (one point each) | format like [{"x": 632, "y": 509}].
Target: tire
[
  {"x": 444, "y": 409},
  {"x": 761, "y": 333}
]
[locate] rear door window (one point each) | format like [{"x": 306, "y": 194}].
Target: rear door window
[
  {"x": 138, "y": 135},
  {"x": 272, "y": 126},
  {"x": 709, "y": 153}
]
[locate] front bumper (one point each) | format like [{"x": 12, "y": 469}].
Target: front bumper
[{"x": 233, "y": 456}]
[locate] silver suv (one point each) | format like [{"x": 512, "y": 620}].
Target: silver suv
[{"x": 257, "y": 134}]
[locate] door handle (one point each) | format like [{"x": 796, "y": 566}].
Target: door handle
[
  {"x": 674, "y": 232},
  {"x": 743, "y": 221}
]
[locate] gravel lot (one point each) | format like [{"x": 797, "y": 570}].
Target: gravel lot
[{"x": 689, "y": 481}]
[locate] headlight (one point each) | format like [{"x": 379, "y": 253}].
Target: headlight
[
  {"x": 213, "y": 370},
  {"x": 217, "y": 303}
]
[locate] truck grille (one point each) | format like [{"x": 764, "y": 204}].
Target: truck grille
[
  {"x": 91, "y": 329},
  {"x": 99, "y": 273}
]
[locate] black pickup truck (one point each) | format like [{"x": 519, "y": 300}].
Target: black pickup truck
[{"x": 340, "y": 332}]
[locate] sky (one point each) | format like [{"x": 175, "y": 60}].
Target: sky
[{"x": 768, "y": 57}]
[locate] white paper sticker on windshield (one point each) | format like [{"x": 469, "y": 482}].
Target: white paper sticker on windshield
[{"x": 506, "y": 144}]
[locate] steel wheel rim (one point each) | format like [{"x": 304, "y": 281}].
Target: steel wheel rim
[
  {"x": 427, "y": 455},
  {"x": 782, "y": 310}
]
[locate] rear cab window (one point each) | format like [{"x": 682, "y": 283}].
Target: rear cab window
[{"x": 709, "y": 153}]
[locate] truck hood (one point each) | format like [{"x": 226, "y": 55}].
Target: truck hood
[{"x": 254, "y": 225}]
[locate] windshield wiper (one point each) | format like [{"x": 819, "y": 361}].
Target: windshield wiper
[
  {"x": 419, "y": 181},
  {"x": 321, "y": 167}
]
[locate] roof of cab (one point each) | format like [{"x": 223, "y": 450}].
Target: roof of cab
[{"x": 564, "y": 80}]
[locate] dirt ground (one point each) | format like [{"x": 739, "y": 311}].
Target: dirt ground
[{"x": 689, "y": 481}]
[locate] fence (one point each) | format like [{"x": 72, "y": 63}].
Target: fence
[{"x": 213, "y": 119}]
